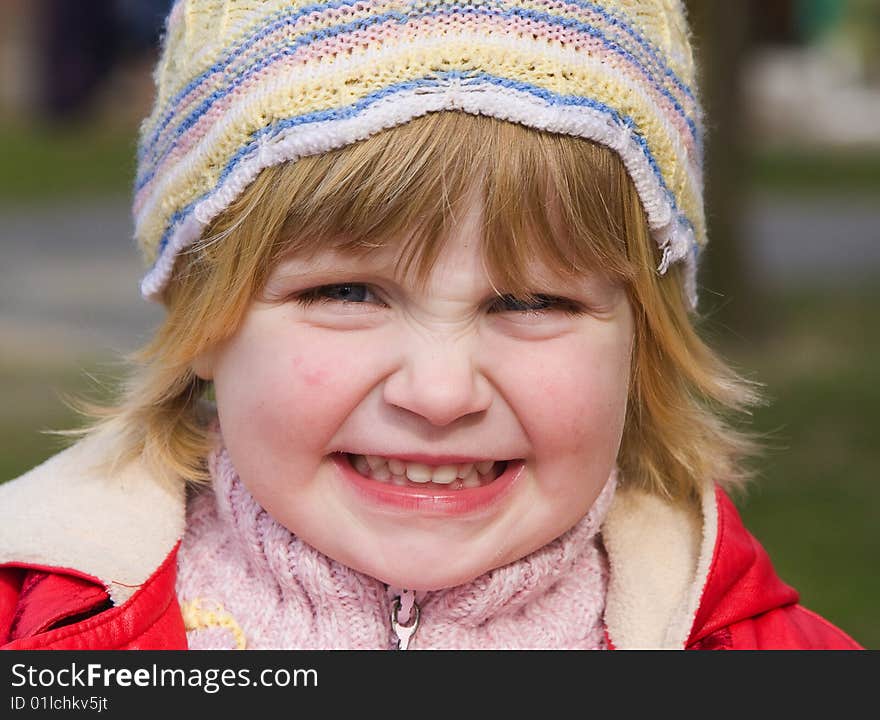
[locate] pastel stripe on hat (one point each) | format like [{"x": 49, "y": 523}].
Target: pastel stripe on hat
[
  {"x": 245, "y": 85},
  {"x": 271, "y": 43}
]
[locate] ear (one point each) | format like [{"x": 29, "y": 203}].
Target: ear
[{"x": 203, "y": 364}]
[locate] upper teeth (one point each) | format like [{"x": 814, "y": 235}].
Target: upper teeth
[{"x": 381, "y": 468}]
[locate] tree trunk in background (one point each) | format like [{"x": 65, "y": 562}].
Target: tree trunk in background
[{"x": 727, "y": 297}]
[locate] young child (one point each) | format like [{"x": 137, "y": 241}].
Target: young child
[{"x": 428, "y": 376}]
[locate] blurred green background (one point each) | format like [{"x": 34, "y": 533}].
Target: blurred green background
[{"x": 790, "y": 283}]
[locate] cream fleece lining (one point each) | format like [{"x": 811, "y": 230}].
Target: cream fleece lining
[
  {"x": 120, "y": 529},
  {"x": 659, "y": 555}
]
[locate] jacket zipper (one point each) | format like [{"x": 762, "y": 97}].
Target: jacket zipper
[{"x": 404, "y": 618}]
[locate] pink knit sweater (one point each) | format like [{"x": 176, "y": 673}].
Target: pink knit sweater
[{"x": 246, "y": 581}]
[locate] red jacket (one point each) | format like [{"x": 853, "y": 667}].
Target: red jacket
[{"x": 743, "y": 605}]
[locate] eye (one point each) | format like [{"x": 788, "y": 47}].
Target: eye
[
  {"x": 345, "y": 293},
  {"x": 536, "y": 305}
]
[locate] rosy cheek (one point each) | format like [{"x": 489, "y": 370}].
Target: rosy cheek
[
  {"x": 316, "y": 371},
  {"x": 316, "y": 377},
  {"x": 576, "y": 402},
  {"x": 321, "y": 387},
  {"x": 310, "y": 374}
]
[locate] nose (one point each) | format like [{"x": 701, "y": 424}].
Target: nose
[{"x": 438, "y": 380}]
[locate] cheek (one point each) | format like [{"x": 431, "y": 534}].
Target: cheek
[
  {"x": 576, "y": 398},
  {"x": 277, "y": 393}
]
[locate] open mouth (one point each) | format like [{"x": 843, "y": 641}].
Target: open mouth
[{"x": 392, "y": 471}]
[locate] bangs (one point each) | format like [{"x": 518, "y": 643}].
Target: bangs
[{"x": 551, "y": 203}]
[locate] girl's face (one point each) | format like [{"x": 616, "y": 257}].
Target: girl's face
[{"x": 344, "y": 381}]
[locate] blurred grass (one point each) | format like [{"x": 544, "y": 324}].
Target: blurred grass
[
  {"x": 801, "y": 171},
  {"x": 32, "y": 403},
  {"x": 45, "y": 162},
  {"x": 816, "y": 503}
]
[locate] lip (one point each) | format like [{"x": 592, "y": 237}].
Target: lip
[{"x": 429, "y": 501}]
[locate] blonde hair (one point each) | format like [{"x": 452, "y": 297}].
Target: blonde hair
[{"x": 563, "y": 200}]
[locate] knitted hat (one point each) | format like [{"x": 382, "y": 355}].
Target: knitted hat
[{"x": 244, "y": 84}]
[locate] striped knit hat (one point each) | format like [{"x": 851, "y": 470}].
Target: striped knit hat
[{"x": 245, "y": 84}]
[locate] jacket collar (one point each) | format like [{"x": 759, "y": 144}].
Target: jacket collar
[
  {"x": 68, "y": 513},
  {"x": 64, "y": 513}
]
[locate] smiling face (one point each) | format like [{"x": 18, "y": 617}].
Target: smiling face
[{"x": 341, "y": 358}]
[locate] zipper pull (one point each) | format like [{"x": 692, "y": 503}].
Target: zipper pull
[{"x": 404, "y": 627}]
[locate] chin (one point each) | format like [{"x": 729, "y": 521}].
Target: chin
[{"x": 422, "y": 575}]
